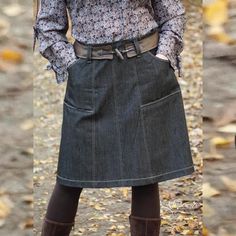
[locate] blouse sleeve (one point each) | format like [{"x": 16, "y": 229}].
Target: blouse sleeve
[
  {"x": 50, "y": 30},
  {"x": 170, "y": 16}
]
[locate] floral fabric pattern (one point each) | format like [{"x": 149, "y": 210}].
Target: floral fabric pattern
[{"x": 104, "y": 21}]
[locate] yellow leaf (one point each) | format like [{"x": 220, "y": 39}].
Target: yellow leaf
[
  {"x": 178, "y": 228},
  {"x": 120, "y": 226},
  {"x": 188, "y": 232},
  {"x": 11, "y": 55},
  {"x": 164, "y": 222},
  {"x": 166, "y": 195},
  {"x": 205, "y": 231},
  {"x": 5, "y": 207},
  {"x": 216, "y": 12},
  {"x": 218, "y": 34},
  {"x": 221, "y": 142},
  {"x": 125, "y": 192},
  {"x": 98, "y": 207},
  {"x": 115, "y": 234}
]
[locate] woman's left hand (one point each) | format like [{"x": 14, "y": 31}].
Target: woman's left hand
[{"x": 162, "y": 56}]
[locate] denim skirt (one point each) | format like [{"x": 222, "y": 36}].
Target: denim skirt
[{"x": 123, "y": 124}]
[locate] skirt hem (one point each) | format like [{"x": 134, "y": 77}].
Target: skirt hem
[{"x": 126, "y": 182}]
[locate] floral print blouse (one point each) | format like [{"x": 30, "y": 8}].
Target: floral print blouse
[{"x": 103, "y": 21}]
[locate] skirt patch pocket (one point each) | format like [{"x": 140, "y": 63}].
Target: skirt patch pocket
[
  {"x": 166, "y": 132},
  {"x": 79, "y": 88}
]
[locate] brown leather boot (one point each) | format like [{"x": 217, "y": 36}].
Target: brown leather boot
[
  {"x": 142, "y": 226},
  {"x": 53, "y": 228}
]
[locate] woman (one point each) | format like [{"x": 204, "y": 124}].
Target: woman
[{"x": 123, "y": 117}]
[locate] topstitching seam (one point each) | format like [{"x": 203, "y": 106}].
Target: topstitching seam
[
  {"x": 126, "y": 179},
  {"x": 116, "y": 116},
  {"x": 141, "y": 117}
]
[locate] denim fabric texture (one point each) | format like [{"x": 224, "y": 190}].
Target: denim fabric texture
[{"x": 123, "y": 123}]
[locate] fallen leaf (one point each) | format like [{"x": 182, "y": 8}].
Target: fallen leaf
[
  {"x": 208, "y": 211},
  {"x": 28, "y": 199},
  {"x": 98, "y": 206},
  {"x": 125, "y": 192},
  {"x": 27, "y": 224},
  {"x": 187, "y": 232},
  {"x": 27, "y": 124},
  {"x": 212, "y": 156},
  {"x": 205, "y": 231},
  {"x": 215, "y": 12},
  {"x": 5, "y": 207},
  {"x": 4, "y": 27},
  {"x": 229, "y": 183},
  {"x": 230, "y": 128},
  {"x": 216, "y": 15},
  {"x": 11, "y": 55},
  {"x": 164, "y": 222},
  {"x": 209, "y": 191},
  {"x": 221, "y": 142},
  {"x": 27, "y": 151},
  {"x": 13, "y": 9},
  {"x": 2, "y": 222},
  {"x": 178, "y": 228},
  {"x": 221, "y": 37}
]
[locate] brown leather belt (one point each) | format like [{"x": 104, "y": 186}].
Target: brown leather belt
[{"x": 106, "y": 51}]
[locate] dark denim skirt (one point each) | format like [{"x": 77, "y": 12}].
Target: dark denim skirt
[{"x": 123, "y": 124}]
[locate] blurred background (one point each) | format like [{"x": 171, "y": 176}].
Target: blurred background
[
  {"x": 16, "y": 122},
  {"x": 219, "y": 114}
]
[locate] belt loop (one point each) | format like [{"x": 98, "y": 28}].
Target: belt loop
[
  {"x": 113, "y": 41},
  {"x": 89, "y": 53},
  {"x": 137, "y": 47}
]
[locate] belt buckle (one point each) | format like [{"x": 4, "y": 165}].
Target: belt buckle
[{"x": 119, "y": 54}]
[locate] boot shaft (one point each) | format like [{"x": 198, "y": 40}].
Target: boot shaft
[
  {"x": 142, "y": 226},
  {"x": 53, "y": 228}
]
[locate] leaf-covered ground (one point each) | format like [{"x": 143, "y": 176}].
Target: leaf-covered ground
[{"x": 105, "y": 211}]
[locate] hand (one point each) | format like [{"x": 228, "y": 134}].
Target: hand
[{"x": 162, "y": 56}]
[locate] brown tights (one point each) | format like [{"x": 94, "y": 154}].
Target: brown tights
[
  {"x": 63, "y": 204},
  {"x": 145, "y": 200}
]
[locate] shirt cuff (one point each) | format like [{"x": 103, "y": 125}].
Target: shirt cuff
[
  {"x": 60, "y": 56},
  {"x": 168, "y": 47},
  {"x": 60, "y": 74}
]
